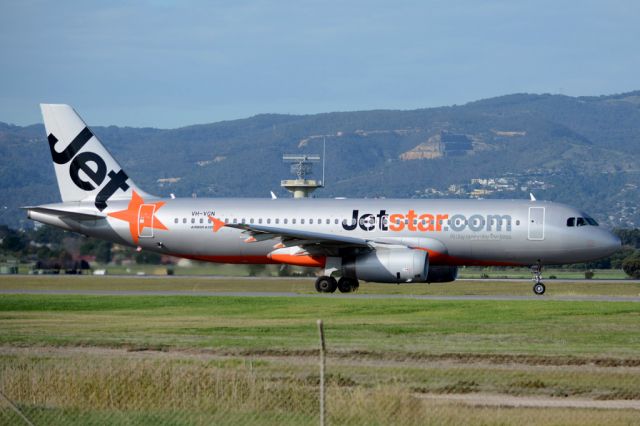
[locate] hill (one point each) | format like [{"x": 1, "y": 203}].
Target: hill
[{"x": 583, "y": 151}]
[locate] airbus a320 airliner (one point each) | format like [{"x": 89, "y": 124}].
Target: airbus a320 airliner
[{"x": 377, "y": 240}]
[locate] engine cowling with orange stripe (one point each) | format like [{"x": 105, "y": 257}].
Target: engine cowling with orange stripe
[{"x": 394, "y": 265}]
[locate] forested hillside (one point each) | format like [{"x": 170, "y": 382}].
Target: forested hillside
[{"x": 580, "y": 150}]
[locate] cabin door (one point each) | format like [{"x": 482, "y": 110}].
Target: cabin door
[
  {"x": 145, "y": 220},
  {"x": 536, "y": 223}
]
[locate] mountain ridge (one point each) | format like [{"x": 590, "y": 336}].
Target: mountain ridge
[{"x": 584, "y": 150}]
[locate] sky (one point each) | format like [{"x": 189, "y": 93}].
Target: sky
[{"x": 170, "y": 63}]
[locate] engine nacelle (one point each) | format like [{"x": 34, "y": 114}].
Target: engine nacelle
[
  {"x": 442, "y": 274},
  {"x": 388, "y": 266}
]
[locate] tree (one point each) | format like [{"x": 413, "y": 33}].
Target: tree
[
  {"x": 631, "y": 265},
  {"x": 99, "y": 248},
  {"x": 48, "y": 235},
  {"x": 629, "y": 237},
  {"x": 148, "y": 258},
  {"x": 14, "y": 242}
]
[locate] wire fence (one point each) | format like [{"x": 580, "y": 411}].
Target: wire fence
[{"x": 63, "y": 386}]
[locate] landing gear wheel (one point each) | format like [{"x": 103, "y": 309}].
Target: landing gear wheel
[
  {"x": 326, "y": 284},
  {"x": 538, "y": 288},
  {"x": 347, "y": 285}
]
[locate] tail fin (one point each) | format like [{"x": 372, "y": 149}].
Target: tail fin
[{"x": 84, "y": 168}]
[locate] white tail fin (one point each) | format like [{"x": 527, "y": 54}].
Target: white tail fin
[{"x": 84, "y": 168}]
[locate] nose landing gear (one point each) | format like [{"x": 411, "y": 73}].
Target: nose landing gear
[{"x": 538, "y": 286}]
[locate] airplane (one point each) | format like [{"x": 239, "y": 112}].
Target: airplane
[{"x": 374, "y": 240}]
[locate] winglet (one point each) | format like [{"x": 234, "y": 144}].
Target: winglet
[
  {"x": 273, "y": 196},
  {"x": 217, "y": 223}
]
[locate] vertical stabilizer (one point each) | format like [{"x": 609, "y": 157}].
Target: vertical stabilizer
[{"x": 84, "y": 168}]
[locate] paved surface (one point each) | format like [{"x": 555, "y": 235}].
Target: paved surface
[
  {"x": 335, "y": 295},
  {"x": 490, "y": 400}
]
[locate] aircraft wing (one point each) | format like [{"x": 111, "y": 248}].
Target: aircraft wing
[{"x": 299, "y": 237}]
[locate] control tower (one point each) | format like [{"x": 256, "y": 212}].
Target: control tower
[{"x": 301, "y": 166}]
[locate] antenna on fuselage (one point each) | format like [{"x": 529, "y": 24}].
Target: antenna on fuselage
[{"x": 532, "y": 198}]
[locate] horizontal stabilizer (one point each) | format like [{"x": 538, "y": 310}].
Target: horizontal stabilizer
[{"x": 75, "y": 215}]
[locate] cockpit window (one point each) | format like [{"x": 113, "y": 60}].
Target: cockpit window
[{"x": 581, "y": 221}]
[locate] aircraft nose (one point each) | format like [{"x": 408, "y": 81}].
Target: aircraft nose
[{"x": 609, "y": 242}]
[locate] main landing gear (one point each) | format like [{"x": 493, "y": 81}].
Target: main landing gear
[
  {"x": 325, "y": 284},
  {"x": 538, "y": 285}
]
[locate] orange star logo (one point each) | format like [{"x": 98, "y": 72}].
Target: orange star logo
[{"x": 140, "y": 215}]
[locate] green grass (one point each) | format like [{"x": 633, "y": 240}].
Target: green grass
[
  {"x": 74, "y": 359},
  {"x": 265, "y": 323},
  {"x": 305, "y": 285}
]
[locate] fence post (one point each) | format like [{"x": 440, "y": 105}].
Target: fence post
[{"x": 322, "y": 365}]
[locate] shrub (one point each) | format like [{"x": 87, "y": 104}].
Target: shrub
[{"x": 631, "y": 265}]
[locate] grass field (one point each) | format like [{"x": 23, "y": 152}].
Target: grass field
[
  {"x": 481, "y": 287},
  {"x": 74, "y": 359}
]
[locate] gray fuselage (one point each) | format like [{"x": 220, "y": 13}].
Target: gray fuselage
[{"x": 454, "y": 232}]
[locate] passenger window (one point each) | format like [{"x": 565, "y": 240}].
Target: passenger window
[
  {"x": 235, "y": 220},
  {"x": 286, "y": 221},
  {"x": 571, "y": 221},
  {"x": 277, "y": 221},
  {"x": 243, "y": 221},
  {"x": 201, "y": 220},
  {"x": 226, "y": 220},
  {"x": 251, "y": 220},
  {"x": 293, "y": 221},
  {"x": 335, "y": 221},
  {"x": 193, "y": 220},
  {"x": 328, "y": 221},
  {"x": 184, "y": 220},
  {"x": 302, "y": 221},
  {"x": 175, "y": 220},
  {"x": 268, "y": 221},
  {"x": 581, "y": 222},
  {"x": 310, "y": 221}
]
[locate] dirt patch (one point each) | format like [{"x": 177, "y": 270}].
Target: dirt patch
[{"x": 360, "y": 355}]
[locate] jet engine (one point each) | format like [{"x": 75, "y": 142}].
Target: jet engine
[
  {"x": 388, "y": 266},
  {"x": 442, "y": 274}
]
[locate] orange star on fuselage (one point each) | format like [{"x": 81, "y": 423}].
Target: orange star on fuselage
[{"x": 133, "y": 215}]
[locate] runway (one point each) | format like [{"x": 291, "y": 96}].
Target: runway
[{"x": 328, "y": 296}]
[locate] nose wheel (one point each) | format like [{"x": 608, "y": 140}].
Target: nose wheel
[{"x": 538, "y": 285}]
